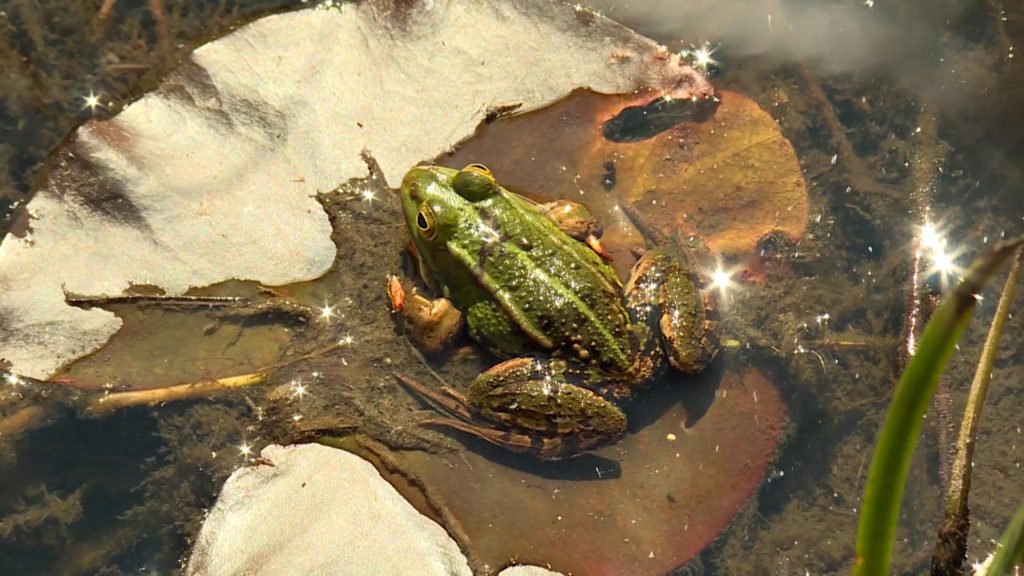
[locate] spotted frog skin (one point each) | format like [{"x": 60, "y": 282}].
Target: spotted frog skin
[{"x": 577, "y": 342}]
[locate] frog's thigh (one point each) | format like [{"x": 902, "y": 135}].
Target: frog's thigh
[
  {"x": 532, "y": 395},
  {"x": 661, "y": 280},
  {"x": 490, "y": 326}
]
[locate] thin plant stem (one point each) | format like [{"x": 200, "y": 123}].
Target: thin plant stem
[
  {"x": 1011, "y": 547},
  {"x": 951, "y": 544},
  {"x": 883, "y": 492}
]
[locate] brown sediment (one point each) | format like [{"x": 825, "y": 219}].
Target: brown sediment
[{"x": 857, "y": 172}]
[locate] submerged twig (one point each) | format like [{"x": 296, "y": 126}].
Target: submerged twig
[
  {"x": 25, "y": 419},
  {"x": 228, "y": 306},
  {"x": 201, "y": 389},
  {"x": 951, "y": 544},
  {"x": 857, "y": 171}
]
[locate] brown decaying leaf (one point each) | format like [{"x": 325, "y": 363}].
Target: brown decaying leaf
[
  {"x": 697, "y": 450},
  {"x": 730, "y": 179}
]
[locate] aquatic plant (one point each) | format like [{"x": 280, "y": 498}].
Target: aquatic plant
[{"x": 890, "y": 464}]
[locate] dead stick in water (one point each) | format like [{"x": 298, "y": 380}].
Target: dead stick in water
[
  {"x": 857, "y": 172},
  {"x": 203, "y": 388}
]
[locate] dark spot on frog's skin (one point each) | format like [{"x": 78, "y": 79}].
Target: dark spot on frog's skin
[
  {"x": 608, "y": 179},
  {"x": 525, "y": 244},
  {"x": 670, "y": 498}
]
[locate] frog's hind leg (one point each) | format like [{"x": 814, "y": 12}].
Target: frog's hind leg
[
  {"x": 529, "y": 406},
  {"x": 455, "y": 405},
  {"x": 537, "y": 406},
  {"x": 669, "y": 298},
  {"x": 450, "y": 402}
]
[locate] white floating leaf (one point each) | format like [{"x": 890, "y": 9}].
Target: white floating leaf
[
  {"x": 213, "y": 175},
  {"x": 319, "y": 510}
]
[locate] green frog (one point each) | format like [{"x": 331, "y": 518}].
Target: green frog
[{"x": 577, "y": 343}]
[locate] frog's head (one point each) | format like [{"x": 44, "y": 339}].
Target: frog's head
[{"x": 440, "y": 211}]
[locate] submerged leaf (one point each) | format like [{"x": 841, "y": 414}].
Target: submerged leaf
[
  {"x": 648, "y": 504},
  {"x": 730, "y": 177}
]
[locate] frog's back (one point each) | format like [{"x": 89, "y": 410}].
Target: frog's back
[{"x": 556, "y": 291}]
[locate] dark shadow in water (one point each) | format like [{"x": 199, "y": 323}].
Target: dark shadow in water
[
  {"x": 106, "y": 458},
  {"x": 585, "y": 467},
  {"x": 696, "y": 393},
  {"x": 638, "y": 123}
]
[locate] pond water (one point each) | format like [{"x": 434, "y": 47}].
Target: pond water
[{"x": 841, "y": 133}]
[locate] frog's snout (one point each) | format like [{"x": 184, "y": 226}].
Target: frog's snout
[{"x": 415, "y": 181}]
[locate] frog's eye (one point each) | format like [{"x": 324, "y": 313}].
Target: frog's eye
[
  {"x": 426, "y": 223},
  {"x": 479, "y": 168},
  {"x": 474, "y": 182}
]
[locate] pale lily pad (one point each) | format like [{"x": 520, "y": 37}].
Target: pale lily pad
[
  {"x": 213, "y": 176},
  {"x": 310, "y": 509}
]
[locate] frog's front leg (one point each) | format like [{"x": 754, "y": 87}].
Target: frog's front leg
[
  {"x": 577, "y": 221},
  {"x": 430, "y": 324},
  {"x": 532, "y": 406}
]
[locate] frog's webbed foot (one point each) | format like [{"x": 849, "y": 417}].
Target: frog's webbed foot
[
  {"x": 454, "y": 404},
  {"x": 449, "y": 402},
  {"x": 527, "y": 405},
  {"x": 577, "y": 221}
]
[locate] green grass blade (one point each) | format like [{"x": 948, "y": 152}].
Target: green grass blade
[
  {"x": 1011, "y": 546},
  {"x": 887, "y": 476}
]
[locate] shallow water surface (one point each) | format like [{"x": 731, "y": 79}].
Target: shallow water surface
[{"x": 756, "y": 466}]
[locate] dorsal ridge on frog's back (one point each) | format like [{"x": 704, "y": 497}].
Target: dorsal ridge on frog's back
[{"x": 559, "y": 318}]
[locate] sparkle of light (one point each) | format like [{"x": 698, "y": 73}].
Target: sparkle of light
[
  {"x": 92, "y": 101},
  {"x": 299, "y": 389},
  {"x": 981, "y": 568},
  {"x": 930, "y": 237},
  {"x": 12, "y": 379},
  {"x": 701, "y": 57},
  {"x": 347, "y": 340},
  {"x": 245, "y": 449},
  {"x": 934, "y": 246},
  {"x": 368, "y": 195},
  {"x": 489, "y": 234},
  {"x": 327, "y": 312},
  {"x": 721, "y": 279},
  {"x": 944, "y": 262}
]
